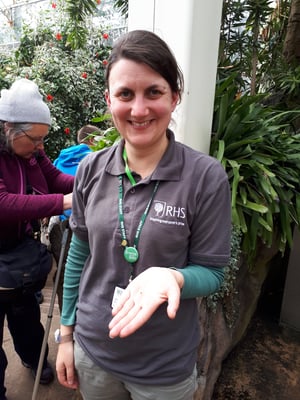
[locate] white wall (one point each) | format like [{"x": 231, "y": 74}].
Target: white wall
[{"x": 191, "y": 28}]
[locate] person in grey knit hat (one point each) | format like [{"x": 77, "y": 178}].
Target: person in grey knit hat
[
  {"x": 23, "y": 103},
  {"x": 22, "y": 107},
  {"x": 31, "y": 188}
]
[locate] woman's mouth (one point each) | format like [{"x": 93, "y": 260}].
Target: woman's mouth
[{"x": 140, "y": 124}]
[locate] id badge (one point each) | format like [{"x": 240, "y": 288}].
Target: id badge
[{"x": 116, "y": 297}]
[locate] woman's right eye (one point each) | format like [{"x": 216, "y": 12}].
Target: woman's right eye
[{"x": 125, "y": 95}]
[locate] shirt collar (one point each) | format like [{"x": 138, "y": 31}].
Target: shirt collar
[{"x": 169, "y": 167}]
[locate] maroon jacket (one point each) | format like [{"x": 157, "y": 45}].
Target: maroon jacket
[{"x": 19, "y": 176}]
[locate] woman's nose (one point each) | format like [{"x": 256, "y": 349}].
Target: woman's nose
[
  {"x": 139, "y": 106},
  {"x": 40, "y": 146}
]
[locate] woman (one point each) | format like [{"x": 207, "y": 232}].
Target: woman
[
  {"x": 151, "y": 232},
  {"x": 30, "y": 188}
]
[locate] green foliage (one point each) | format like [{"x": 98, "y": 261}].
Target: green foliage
[
  {"x": 122, "y": 6},
  {"x": 227, "y": 289},
  {"x": 71, "y": 80},
  {"x": 109, "y": 135},
  {"x": 251, "y": 42},
  {"x": 73, "y": 85},
  {"x": 79, "y": 13},
  {"x": 261, "y": 155},
  {"x": 256, "y": 137},
  {"x": 29, "y": 41},
  {"x": 287, "y": 92},
  {"x": 78, "y": 28},
  {"x": 6, "y": 66},
  {"x": 78, "y": 10}
]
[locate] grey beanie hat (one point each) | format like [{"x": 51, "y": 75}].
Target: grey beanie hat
[{"x": 23, "y": 103}]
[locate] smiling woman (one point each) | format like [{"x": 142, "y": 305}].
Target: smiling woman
[{"x": 161, "y": 240}]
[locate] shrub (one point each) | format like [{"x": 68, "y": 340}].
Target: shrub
[
  {"x": 71, "y": 80},
  {"x": 260, "y": 152}
]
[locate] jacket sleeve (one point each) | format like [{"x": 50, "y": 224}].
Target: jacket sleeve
[{"x": 16, "y": 207}]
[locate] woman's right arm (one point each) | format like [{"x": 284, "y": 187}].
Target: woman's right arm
[
  {"x": 65, "y": 368},
  {"x": 77, "y": 255}
]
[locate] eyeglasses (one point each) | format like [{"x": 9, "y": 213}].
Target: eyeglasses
[{"x": 36, "y": 141}]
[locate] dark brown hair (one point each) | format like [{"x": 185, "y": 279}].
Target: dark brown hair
[{"x": 146, "y": 47}]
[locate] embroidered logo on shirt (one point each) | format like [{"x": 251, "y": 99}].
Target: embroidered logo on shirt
[{"x": 167, "y": 213}]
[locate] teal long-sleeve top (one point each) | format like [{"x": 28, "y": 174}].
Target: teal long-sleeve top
[{"x": 198, "y": 280}]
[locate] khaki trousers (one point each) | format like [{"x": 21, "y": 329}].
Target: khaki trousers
[{"x": 97, "y": 384}]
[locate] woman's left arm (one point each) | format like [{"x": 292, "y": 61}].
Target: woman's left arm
[{"x": 158, "y": 285}]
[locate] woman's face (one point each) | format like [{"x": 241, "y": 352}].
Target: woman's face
[
  {"x": 141, "y": 103},
  {"x": 28, "y": 142}
]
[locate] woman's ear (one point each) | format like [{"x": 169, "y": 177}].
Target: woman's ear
[
  {"x": 107, "y": 97},
  {"x": 175, "y": 98}
]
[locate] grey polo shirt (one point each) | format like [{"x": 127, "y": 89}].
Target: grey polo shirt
[{"x": 188, "y": 222}]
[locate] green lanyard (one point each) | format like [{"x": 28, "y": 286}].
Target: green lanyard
[
  {"x": 131, "y": 253},
  {"x": 127, "y": 169}
]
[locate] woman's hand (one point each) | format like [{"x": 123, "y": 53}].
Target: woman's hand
[
  {"x": 68, "y": 201},
  {"x": 143, "y": 296},
  {"x": 65, "y": 368}
]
